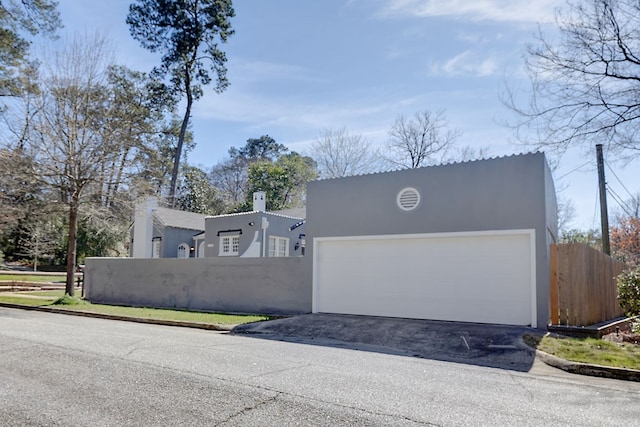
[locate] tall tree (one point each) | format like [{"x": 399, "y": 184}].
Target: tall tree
[
  {"x": 585, "y": 82},
  {"x": 284, "y": 180},
  {"x": 187, "y": 33},
  {"x": 155, "y": 158},
  {"x": 66, "y": 144},
  {"x": 263, "y": 148},
  {"x": 231, "y": 176},
  {"x": 77, "y": 137},
  {"x": 19, "y": 20},
  {"x": 197, "y": 194},
  {"x": 419, "y": 140},
  {"x": 341, "y": 153}
]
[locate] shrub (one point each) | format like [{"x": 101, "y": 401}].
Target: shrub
[
  {"x": 69, "y": 300},
  {"x": 629, "y": 291}
]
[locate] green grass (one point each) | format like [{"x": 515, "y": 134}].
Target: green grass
[
  {"x": 588, "y": 350},
  {"x": 49, "y": 298},
  {"x": 53, "y": 294},
  {"x": 174, "y": 315},
  {"x": 32, "y": 278},
  {"x": 32, "y": 302}
]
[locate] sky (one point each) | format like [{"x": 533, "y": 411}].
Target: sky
[{"x": 297, "y": 68}]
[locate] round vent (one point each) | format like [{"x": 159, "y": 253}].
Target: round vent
[{"x": 408, "y": 199}]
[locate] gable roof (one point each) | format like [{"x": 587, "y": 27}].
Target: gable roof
[
  {"x": 267, "y": 213},
  {"x": 294, "y": 212},
  {"x": 180, "y": 219}
]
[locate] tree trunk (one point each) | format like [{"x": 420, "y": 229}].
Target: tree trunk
[
  {"x": 183, "y": 132},
  {"x": 72, "y": 246}
]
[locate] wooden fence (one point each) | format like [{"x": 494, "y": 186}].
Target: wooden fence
[{"x": 582, "y": 285}]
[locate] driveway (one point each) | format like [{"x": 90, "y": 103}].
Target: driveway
[{"x": 471, "y": 343}]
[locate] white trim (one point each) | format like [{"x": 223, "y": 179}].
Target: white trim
[
  {"x": 276, "y": 250},
  {"x": 534, "y": 287},
  {"x": 529, "y": 232},
  {"x": 231, "y": 252}
]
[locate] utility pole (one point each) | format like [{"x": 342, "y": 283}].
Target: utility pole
[{"x": 604, "y": 216}]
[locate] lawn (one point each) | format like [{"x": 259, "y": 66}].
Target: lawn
[
  {"x": 32, "y": 278},
  {"x": 47, "y": 298},
  {"x": 588, "y": 350}
]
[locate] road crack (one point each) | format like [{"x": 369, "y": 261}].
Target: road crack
[{"x": 253, "y": 407}]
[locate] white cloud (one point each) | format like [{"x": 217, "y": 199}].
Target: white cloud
[
  {"x": 256, "y": 71},
  {"x": 466, "y": 63},
  {"x": 476, "y": 10}
]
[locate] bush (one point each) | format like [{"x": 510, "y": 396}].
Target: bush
[
  {"x": 629, "y": 291},
  {"x": 69, "y": 300}
]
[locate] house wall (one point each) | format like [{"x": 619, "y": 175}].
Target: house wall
[
  {"x": 278, "y": 226},
  {"x": 244, "y": 285},
  {"x": 509, "y": 193},
  {"x": 172, "y": 237}
]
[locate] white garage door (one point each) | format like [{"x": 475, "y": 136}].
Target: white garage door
[{"x": 485, "y": 277}]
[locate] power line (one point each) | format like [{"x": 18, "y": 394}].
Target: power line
[
  {"x": 618, "y": 200},
  {"x": 595, "y": 209},
  {"x": 575, "y": 169},
  {"x": 614, "y": 174}
]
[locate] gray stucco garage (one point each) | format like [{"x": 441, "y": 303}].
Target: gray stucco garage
[{"x": 465, "y": 242}]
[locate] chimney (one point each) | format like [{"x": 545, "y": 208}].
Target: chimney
[
  {"x": 260, "y": 201},
  {"x": 143, "y": 228}
]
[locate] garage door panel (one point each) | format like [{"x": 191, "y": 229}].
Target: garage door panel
[{"x": 484, "y": 278}]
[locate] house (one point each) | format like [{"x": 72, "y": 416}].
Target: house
[
  {"x": 460, "y": 242},
  {"x": 166, "y": 233},
  {"x": 467, "y": 242},
  {"x": 257, "y": 233}
]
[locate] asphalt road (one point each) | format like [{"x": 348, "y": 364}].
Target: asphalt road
[{"x": 73, "y": 371}]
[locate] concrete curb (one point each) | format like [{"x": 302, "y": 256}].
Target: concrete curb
[
  {"x": 195, "y": 325},
  {"x": 588, "y": 369},
  {"x": 549, "y": 359}
]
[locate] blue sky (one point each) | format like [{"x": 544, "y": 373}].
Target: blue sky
[{"x": 299, "y": 67}]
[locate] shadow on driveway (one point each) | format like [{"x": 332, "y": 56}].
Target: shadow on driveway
[{"x": 495, "y": 346}]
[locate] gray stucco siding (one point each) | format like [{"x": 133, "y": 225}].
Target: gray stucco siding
[
  {"x": 269, "y": 286},
  {"x": 172, "y": 237},
  {"x": 509, "y": 193},
  {"x": 246, "y": 226},
  {"x": 496, "y": 194}
]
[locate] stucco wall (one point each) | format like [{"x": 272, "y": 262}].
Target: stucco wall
[
  {"x": 508, "y": 193},
  {"x": 172, "y": 237},
  {"x": 250, "y": 225},
  {"x": 250, "y": 285}
]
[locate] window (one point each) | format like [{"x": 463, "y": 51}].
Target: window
[
  {"x": 155, "y": 247},
  {"x": 278, "y": 246},
  {"x": 229, "y": 245}
]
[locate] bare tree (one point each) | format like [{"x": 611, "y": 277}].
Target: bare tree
[
  {"x": 231, "y": 178},
  {"x": 77, "y": 139},
  {"x": 423, "y": 139},
  {"x": 584, "y": 85},
  {"x": 339, "y": 153},
  {"x": 66, "y": 144}
]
